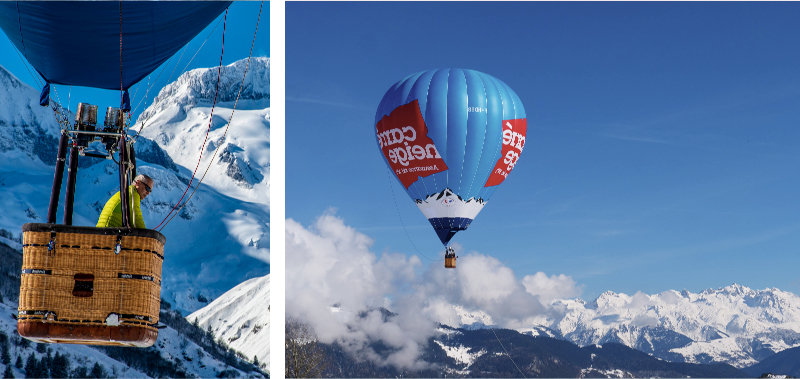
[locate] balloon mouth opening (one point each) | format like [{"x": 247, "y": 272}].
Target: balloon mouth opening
[{"x": 447, "y": 227}]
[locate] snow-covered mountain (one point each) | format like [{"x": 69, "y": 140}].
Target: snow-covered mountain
[
  {"x": 734, "y": 324},
  {"x": 240, "y": 318},
  {"x": 179, "y": 118},
  {"x": 219, "y": 240}
]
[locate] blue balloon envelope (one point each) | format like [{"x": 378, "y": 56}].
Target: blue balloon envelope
[
  {"x": 450, "y": 136},
  {"x": 103, "y": 44}
]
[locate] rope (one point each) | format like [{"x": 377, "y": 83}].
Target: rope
[
  {"x": 19, "y": 22},
  {"x": 401, "y": 217},
  {"x": 495, "y": 335},
  {"x": 25, "y": 63},
  {"x": 241, "y": 86},
  {"x": 144, "y": 123},
  {"x": 121, "y": 90},
  {"x": 211, "y": 117},
  {"x": 449, "y": 320},
  {"x": 415, "y": 290},
  {"x": 64, "y": 123}
]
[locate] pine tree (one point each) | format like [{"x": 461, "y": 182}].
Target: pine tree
[
  {"x": 47, "y": 360},
  {"x": 210, "y": 334},
  {"x": 19, "y": 362},
  {"x": 6, "y": 356},
  {"x": 81, "y": 372},
  {"x": 41, "y": 348},
  {"x": 98, "y": 371},
  {"x": 60, "y": 366},
  {"x": 42, "y": 370},
  {"x": 255, "y": 361},
  {"x": 9, "y": 373},
  {"x": 30, "y": 366}
]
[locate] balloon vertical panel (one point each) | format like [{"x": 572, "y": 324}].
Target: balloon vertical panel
[{"x": 450, "y": 136}]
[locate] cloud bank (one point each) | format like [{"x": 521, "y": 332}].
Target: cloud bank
[{"x": 337, "y": 285}]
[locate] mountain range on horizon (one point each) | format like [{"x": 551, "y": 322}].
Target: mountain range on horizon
[
  {"x": 734, "y": 324},
  {"x": 616, "y": 335}
]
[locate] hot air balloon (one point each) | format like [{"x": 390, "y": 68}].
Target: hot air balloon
[
  {"x": 83, "y": 284},
  {"x": 450, "y": 136}
]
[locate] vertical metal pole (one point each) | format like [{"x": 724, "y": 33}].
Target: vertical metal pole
[
  {"x": 55, "y": 193},
  {"x": 133, "y": 163},
  {"x": 72, "y": 174},
  {"x": 123, "y": 182}
]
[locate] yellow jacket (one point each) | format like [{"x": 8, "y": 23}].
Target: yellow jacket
[{"x": 112, "y": 213}]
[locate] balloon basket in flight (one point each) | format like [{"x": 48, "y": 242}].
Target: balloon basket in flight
[{"x": 85, "y": 285}]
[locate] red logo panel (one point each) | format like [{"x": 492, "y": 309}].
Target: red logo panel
[
  {"x": 403, "y": 138},
  {"x": 513, "y": 142}
]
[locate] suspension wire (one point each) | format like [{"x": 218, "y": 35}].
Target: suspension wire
[
  {"x": 449, "y": 320},
  {"x": 39, "y": 83},
  {"x": 149, "y": 87},
  {"x": 495, "y": 334},
  {"x": 209, "y": 36},
  {"x": 144, "y": 123},
  {"x": 64, "y": 123},
  {"x": 121, "y": 91},
  {"x": 415, "y": 290},
  {"x": 169, "y": 79},
  {"x": 35, "y": 78},
  {"x": 210, "y": 119},
  {"x": 389, "y": 173},
  {"x": 241, "y": 86}
]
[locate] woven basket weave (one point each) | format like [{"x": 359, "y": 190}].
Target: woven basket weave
[
  {"x": 450, "y": 262},
  {"x": 82, "y": 289}
]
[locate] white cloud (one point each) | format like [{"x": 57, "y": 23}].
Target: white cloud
[
  {"x": 640, "y": 300},
  {"x": 551, "y": 288},
  {"x": 644, "y": 320},
  {"x": 329, "y": 265}
]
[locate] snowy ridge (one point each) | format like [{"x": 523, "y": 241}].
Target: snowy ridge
[
  {"x": 28, "y": 132},
  {"x": 734, "y": 324},
  {"x": 240, "y": 318},
  {"x": 200, "y": 86},
  {"x": 181, "y": 115}
]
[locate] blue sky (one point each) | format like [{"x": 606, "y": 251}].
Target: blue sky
[
  {"x": 662, "y": 142},
  {"x": 242, "y": 18}
]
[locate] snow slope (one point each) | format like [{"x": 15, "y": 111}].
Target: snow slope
[
  {"x": 182, "y": 113},
  {"x": 170, "y": 344},
  {"x": 734, "y": 324},
  {"x": 240, "y": 317},
  {"x": 217, "y": 241},
  {"x": 220, "y": 239}
]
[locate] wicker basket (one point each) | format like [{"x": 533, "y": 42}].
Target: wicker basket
[
  {"x": 99, "y": 286},
  {"x": 450, "y": 262}
]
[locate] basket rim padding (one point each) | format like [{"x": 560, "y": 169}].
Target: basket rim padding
[{"x": 132, "y": 232}]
